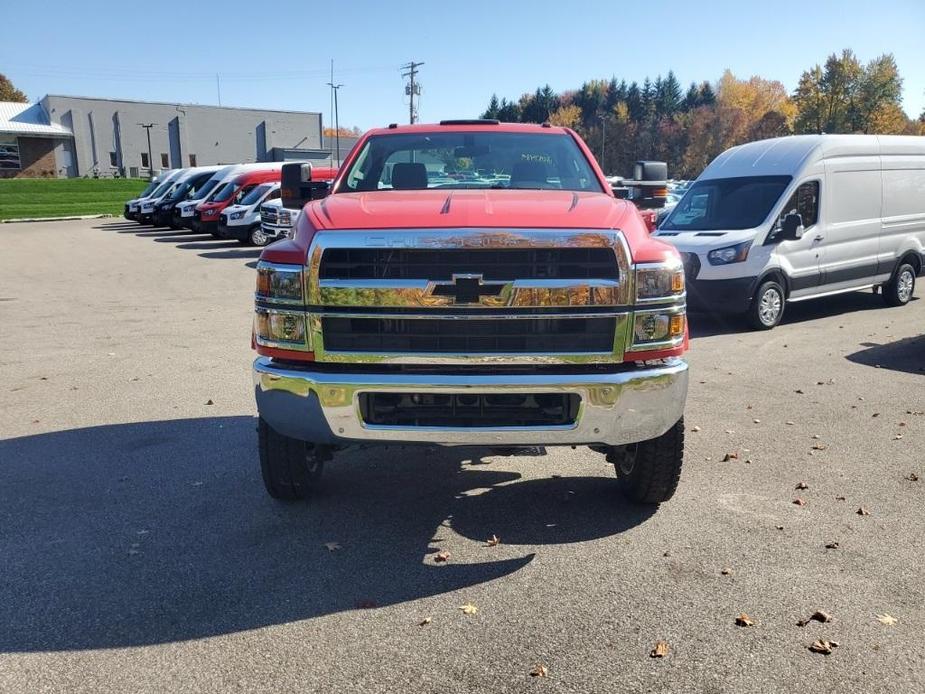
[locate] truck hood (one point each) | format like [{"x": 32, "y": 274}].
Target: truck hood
[{"x": 404, "y": 209}]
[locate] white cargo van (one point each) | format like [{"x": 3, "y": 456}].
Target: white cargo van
[
  {"x": 801, "y": 217},
  {"x": 186, "y": 211},
  {"x": 241, "y": 220}
]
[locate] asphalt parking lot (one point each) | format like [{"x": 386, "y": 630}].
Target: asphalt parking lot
[{"x": 141, "y": 553}]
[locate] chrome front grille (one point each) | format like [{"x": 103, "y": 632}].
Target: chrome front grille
[
  {"x": 268, "y": 215},
  {"x": 469, "y": 296}
]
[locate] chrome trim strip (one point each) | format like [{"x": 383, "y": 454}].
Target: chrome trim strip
[{"x": 618, "y": 408}]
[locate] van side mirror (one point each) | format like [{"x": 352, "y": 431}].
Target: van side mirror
[
  {"x": 295, "y": 185},
  {"x": 792, "y": 227}
]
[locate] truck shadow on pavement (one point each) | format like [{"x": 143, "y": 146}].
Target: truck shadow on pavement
[
  {"x": 907, "y": 355},
  {"x": 156, "y": 532}
]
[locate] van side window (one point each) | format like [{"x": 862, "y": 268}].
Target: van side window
[{"x": 804, "y": 202}]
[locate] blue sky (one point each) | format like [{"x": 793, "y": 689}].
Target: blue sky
[{"x": 269, "y": 56}]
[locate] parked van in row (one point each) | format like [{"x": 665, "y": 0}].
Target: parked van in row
[
  {"x": 801, "y": 217},
  {"x": 231, "y": 191},
  {"x": 184, "y": 212},
  {"x": 241, "y": 220},
  {"x": 131, "y": 206},
  {"x": 185, "y": 187}
]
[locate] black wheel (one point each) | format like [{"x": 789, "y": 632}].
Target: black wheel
[
  {"x": 767, "y": 307},
  {"x": 290, "y": 470},
  {"x": 898, "y": 291},
  {"x": 648, "y": 472}
]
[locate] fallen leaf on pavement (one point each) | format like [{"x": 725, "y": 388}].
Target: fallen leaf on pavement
[
  {"x": 660, "y": 650},
  {"x": 756, "y": 421},
  {"x": 424, "y": 622},
  {"x": 469, "y": 608},
  {"x": 897, "y": 437},
  {"x": 912, "y": 477},
  {"x": 743, "y": 620},
  {"x": 831, "y": 545},
  {"x": 823, "y": 646},
  {"x": 862, "y": 511},
  {"x": 886, "y": 619},
  {"x": 801, "y": 485},
  {"x": 819, "y": 447},
  {"x": 875, "y": 414},
  {"x": 209, "y": 402},
  {"x": 441, "y": 556},
  {"x": 493, "y": 541},
  {"x": 798, "y": 391},
  {"x": 730, "y": 456},
  {"x": 539, "y": 670},
  {"x": 695, "y": 428},
  {"x": 725, "y": 571},
  {"x": 332, "y": 546},
  {"x": 841, "y": 498},
  {"x": 799, "y": 502},
  {"x": 817, "y": 616},
  {"x": 789, "y": 423}
]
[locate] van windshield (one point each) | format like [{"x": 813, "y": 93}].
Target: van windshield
[
  {"x": 148, "y": 188},
  {"x": 726, "y": 204},
  {"x": 178, "y": 193},
  {"x": 225, "y": 192},
  {"x": 256, "y": 194},
  {"x": 161, "y": 189},
  {"x": 206, "y": 188}
]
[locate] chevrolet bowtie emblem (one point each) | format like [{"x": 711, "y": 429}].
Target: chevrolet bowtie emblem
[{"x": 467, "y": 289}]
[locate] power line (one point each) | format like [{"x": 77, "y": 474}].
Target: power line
[{"x": 412, "y": 89}]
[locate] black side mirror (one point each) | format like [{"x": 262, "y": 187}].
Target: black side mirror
[
  {"x": 295, "y": 185},
  {"x": 792, "y": 227}
]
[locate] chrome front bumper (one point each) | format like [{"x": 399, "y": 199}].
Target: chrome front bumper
[{"x": 616, "y": 408}]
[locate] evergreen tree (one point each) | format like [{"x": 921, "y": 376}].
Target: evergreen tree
[
  {"x": 692, "y": 98},
  {"x": 493, "y": 108}
]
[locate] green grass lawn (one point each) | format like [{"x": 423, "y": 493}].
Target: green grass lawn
[{"x": 63, "y": 197}]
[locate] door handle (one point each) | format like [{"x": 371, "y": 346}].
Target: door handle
[{"x": 818, "y": 237}]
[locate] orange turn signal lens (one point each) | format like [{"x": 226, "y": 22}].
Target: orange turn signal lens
[{"x": 676, "y": 326}]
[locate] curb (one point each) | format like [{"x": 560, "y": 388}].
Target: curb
[{"x": 56, "y": 219}]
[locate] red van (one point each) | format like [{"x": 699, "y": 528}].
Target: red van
[{"x": 233, "y": 191}]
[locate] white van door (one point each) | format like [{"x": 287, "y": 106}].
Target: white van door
[
  {"x": 850, "y": 237},
  {"x": 801, "y": 258}
]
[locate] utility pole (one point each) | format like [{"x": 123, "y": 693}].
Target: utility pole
[
  {"x": 603, "y": 138},
  {"x": 334, "y": 88},
  {"x": 147, "y": 127},
  {"x": 332, "y": 93},
  {"x": 218, "y": 86},
  {"x": 412, "y": 89}
]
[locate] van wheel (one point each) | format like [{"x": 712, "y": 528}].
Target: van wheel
[
  {"x": 767, "y": 307},
  {"x": 290, "y": 469},
  {"x": 648, "y": 471},
  {"x": 256, "y": 237},
  {"x": 898, "y": 291}
]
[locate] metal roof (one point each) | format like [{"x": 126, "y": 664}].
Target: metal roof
[{"x": 28, "y": 119}]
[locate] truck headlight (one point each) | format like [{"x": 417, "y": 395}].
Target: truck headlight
[
  {"x": 280, "y": 283},
  {"x": 237, "y": 215},
  {"x": 658, "y": 329},
  {"x": 280, "y": 328},
  {"x": 285, "y": 218},
  {"x": 730, "y": 254},
  {"x": 659, "y": 282}
]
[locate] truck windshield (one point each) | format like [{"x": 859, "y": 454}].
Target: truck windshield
[
  {"x": 206, "y": 188},
  {"x": 225, "y": 192},
  {"x": 460, "y": 160},
  {"x": 725, "y": 204},
  {"x": 256, "y": 194}
]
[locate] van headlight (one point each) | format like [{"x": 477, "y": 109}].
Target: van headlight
[
  {"x": 659, "y": 282},
  {"x": 237, "y": 215},
  {"x": 280, "y": 283},
  {"x": 729, "y": 254}
]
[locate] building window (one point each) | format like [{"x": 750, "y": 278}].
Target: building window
[
  {"x": 113, "y": 159},
  {"x": 192, "y": 160},
  {"x": 144, "y": 160},
  {"x": 9, "y": 154},
  {"x": 165, "y": 161}
]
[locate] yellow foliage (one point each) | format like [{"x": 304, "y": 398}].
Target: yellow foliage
[
  {"x": 755, "y": 97},
  {"x": 566, "y": 116}
]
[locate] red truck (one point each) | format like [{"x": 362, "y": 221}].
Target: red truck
[
  {"x": 208, "y": 212},
  {"x": 469, "y": 283}
]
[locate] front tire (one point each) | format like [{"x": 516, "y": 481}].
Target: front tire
[
  {"x": 649, "y": 471},
  {"x": 256, "y": 237},
  {"x": 767, "y": 307},
  {"x": 290, "y": 469},
  {"x": 898, "y": 291}
]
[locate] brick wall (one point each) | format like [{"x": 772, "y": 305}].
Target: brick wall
[{"x": 37, "y": 157}]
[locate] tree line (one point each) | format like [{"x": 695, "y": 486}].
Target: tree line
[{"x": 658, "y": 119}]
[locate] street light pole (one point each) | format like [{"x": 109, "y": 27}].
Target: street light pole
[
  {"x": 147, "y": 127},
  {"x": 603, "y": 138},
  {"x": 334, "y": 88}
]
